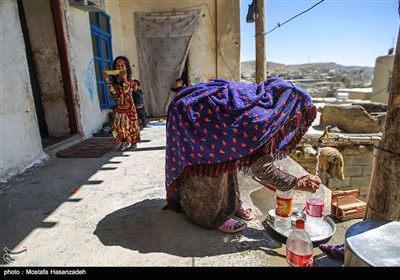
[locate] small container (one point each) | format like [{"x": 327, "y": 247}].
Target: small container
[
  {"x": 271, "y": 216},
  {"x": 298, "y": 215},
  {"x": 295, "y": 216}
]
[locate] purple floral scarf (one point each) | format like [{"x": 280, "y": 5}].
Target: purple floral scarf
[{"x": 222, "y": 126}]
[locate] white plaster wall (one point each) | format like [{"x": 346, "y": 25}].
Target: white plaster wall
[
  {"x": 382, "y": 71},
  {"x": 113, "y": 10},
  {"x": 90, "y": 116},
  {"x": 228, "y": 39},
  {"x": 20, "y": 143},
  {"x": 202, "y": 55}
]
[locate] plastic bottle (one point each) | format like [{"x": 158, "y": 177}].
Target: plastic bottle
[
  {"x": 283, "y": 211},
  {"x": 299, "y": 200},
  {"x": 299, "y": 248},
  {"x": 315, "y": 213}
]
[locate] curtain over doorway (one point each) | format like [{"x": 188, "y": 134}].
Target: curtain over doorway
[{"x": 163, "y": 44}]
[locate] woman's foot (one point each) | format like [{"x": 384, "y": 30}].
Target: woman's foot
[
  {"x": 133, "y": 147},
  {"x": 125, "y": 146},
  {"x": 245, "y": 213},
  {"x": 232, "y": 226}
]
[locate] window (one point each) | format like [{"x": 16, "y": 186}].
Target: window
[{"x": 101, "y": 44}]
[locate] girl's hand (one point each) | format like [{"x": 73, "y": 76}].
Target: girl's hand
[{"x": 106, "y": 77}]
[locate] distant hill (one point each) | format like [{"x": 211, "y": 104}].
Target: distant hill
[{"x": 311, "y": 69}]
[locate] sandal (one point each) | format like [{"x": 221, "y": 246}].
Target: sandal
[
  {"x": 245, "y": 213},
  {"x": 125, "y": 146},
  {"x": 231, "y": 226}
]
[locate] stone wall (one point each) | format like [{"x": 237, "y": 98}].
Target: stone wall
[{"x": 358, "y": 160}]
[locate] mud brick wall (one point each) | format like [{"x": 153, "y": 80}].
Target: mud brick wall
[{"x": 358, "y": 160}]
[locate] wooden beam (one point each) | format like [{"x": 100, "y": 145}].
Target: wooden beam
[
  {"x": 384, "y": 194},
  {"x": 260, "y": 42}
]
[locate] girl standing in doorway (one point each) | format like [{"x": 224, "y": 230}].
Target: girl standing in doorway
[{"x": 125, "y": 126}]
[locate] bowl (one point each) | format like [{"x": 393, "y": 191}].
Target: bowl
[{"x": 295, "y": 216}]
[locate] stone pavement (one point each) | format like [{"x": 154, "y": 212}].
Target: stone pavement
[{"x": 107, "y": 212}]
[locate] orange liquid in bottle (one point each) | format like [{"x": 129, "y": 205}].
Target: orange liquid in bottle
[{"x": 283, "y": 206}]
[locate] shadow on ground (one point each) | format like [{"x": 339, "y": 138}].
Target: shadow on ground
[
  {"x": 145, "y": 227},
  {"x": 29, "y": 198}
]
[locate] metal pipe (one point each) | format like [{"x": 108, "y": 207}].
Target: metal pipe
[
  {"x": 363, "y": 138},
  {"x": 327, "y": 137},
  {"x": 346, "y": 138}
]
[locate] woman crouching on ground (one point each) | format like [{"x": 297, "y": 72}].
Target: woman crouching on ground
[{"x": 215, "y": 129}]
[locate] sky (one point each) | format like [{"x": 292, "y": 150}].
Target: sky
[{"x": 347, "y": 32}]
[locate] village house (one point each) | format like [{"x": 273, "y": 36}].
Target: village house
[
  {"x": 54, "y": 52},
  {"x": 381, "y": 83}
]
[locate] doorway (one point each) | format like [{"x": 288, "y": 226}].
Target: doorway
[{"x": 41, "y": 24}]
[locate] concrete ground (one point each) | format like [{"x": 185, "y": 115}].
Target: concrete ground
[{"x": 107, "y": 212}]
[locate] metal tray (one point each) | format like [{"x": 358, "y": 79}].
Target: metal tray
[{"x": 329, "y": 227}]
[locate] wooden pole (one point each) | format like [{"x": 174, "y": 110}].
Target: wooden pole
[
  {"x": 384, "y": 195},
  {"x": 260, "y": 42}
]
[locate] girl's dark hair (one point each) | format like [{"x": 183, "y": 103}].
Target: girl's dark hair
[
  {"x": 137, "y": 81},
  {"x": 127, "y": 64}
]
